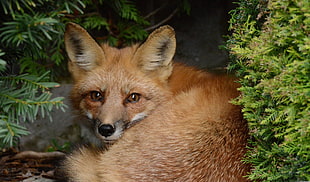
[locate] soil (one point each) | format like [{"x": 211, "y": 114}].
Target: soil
[{"x": 30, "y": 166}]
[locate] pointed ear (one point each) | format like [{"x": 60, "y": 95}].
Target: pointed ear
[
  {"x": 154, "y": 56},
  {"x": 83, "y": 51}
]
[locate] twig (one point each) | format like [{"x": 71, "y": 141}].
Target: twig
[
  {"x": 155, "y": 11},
  {"x": 83, "y": 15},
  {"x": 37, "y": 155},
  {"x": 163, "y": 21}
]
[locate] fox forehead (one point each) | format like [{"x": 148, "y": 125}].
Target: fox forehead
[
  {"x": 116, "y": 79},
  {"x": 117, "y": 69},
  {"x": 122, "y": 54},
  {"x": 118, "y": 73}
]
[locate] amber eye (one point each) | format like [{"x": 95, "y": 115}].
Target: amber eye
[
  {"x": 133, "y": 98},
  {"x": 96, "y": 96}
]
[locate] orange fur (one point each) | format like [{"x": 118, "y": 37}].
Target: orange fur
[{"x": 190, "y": 131}]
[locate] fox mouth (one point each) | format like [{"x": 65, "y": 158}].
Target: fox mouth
[{"x": 136, "y": 119}]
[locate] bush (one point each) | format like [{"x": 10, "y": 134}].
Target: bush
[
  {"x": 30, "y": 46},
  {"x": 270, "y": 47}
]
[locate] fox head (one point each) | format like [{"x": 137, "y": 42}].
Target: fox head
[{"x": 116, "y": 88}]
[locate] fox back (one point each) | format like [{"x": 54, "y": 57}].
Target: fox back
[{"x": 167, "y": 121}]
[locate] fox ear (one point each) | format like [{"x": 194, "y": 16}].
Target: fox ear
[
  {"x": 83, "y": 51},
  {"x": 154, "y": 56}
]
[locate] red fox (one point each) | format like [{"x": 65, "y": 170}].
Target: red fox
[{"x": 167, "y": 121}]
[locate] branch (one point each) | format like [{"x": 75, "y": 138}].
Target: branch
[
  {"x": 155, "y": 11},
  {"x": 38, "y": 155},
  {"x": 26, "y": 78},
  {"x": 163, "y": 21},
  {"x": 82, "y": 15},
  {"x": 30, "y": 102}
]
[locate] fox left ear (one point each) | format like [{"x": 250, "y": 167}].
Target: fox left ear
[
  {"x": 83, "y": 51},
  {"x": 154, "y": 56}
]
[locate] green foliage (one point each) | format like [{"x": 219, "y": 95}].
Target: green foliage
[
  {"x": 2, "y": 62},
  {"x": 121, "y": 20},
  {"x": 31, "y": 34},
  {"x": 270, "y": 48},
  {"x": 22, "y": 97},
  {"x": 31, "y": 39},
  {"x": 127, "y": 9},
  {"x": 55, "y": 146}
]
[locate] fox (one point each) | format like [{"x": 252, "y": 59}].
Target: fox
[{"x": 163, "y": 120}]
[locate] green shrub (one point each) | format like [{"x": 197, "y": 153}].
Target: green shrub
[
  {"x": 270, "y": 51},
  {"x": 30, "y": 44}
]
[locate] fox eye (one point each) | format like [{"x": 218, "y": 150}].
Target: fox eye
[
  {"x": 133, "y": 98},
  {"x": 96, "y": 96}
]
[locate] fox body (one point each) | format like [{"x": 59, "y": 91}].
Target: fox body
[{"x": 167, "y": 121}]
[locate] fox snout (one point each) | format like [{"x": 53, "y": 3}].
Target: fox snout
[
  {"x": 106, "y": 130},
  {"x": 114, "y": 130},
  {"x": 109, "y": 131}
]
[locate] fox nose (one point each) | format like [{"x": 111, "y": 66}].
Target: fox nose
[{"x": 106, "y": 130}]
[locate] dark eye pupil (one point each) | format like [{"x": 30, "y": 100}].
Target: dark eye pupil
[
  {"x": 133, "y": 98},
  {"x": 96, "y": 96}
]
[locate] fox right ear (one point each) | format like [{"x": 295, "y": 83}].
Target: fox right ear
[
  {"x": 154, "y": 56},
  {"x": 82, "y": 49}
]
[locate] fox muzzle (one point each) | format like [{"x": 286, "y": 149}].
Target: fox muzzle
[{"x": 106, "y": 130}]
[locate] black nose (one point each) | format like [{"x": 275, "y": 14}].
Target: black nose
[{"x": 106, "y": 130}]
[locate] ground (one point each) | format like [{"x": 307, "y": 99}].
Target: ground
[{"x": 30, "y": 166}]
